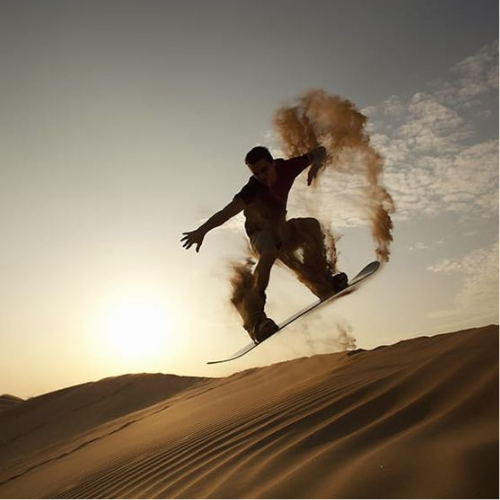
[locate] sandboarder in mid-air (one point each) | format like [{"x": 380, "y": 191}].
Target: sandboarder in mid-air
[{"x": 299, "y": 243}]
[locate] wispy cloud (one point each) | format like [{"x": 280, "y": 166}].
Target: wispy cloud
[
  {"x": 478, "y": 293},
  {"x": 474, "y": 77},
  {"x": 425, "y": 246},
  {"x": 436, "y": 160}
]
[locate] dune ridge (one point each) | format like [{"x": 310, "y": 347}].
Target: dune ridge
[
  {"x": 8, "y": 400},
  {"x": 414, "y": 419},
  {"x": 39, "y": 426}
]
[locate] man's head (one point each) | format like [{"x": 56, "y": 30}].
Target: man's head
[{"x": 261, "y": 162}]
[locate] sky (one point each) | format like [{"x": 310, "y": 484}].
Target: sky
[{"x": 125, "y": 123}]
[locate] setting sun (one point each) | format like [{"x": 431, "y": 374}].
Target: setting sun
[{"x": 136, "y": 327}]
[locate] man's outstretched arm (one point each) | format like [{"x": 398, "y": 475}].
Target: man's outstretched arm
[
  {"x": 196, "y": 237},
  {"x": 316, "y": 156}
]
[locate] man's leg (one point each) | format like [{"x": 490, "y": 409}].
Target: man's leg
[
  {"x": 267, "y": 257},
  {"x": 249, "y": 295},
  {"x": 306, "y": 253},
  {"x": 266, "y": 244}
]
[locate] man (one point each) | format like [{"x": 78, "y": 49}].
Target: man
[{"x": 263, "y": 200}]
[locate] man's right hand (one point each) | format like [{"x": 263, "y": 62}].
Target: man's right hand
[
  {"x": 193, "y": 238},
  {"x": 196, "y": 237}
]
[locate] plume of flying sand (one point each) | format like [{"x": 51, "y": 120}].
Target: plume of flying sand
[
  {"x": 319, "y": 118},
  {"x": 322, "y": 336}
]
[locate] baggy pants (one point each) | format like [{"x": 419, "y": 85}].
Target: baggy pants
[{"x": 302, "y": 247}]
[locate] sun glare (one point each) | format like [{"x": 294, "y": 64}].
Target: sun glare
[{"x": 136, "y": 327}]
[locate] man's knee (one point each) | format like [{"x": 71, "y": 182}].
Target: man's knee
[
  {"x": 269, "y": 255},
  {"x": 312, "y": 224},
  {"x": 305, "y": 229},
  {"x": 266, "y": 244},
  {"x": 301, "y": 224}
]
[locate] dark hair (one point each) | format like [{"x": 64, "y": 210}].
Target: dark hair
[{"x": 258, "y": 153}]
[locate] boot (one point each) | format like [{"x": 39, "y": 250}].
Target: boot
[
  {"x": 256, "y": 323},
  {"x": 263, "y": 330},
  {"x": 252, "y": 312},
  {"x": 339, "y": 281}
]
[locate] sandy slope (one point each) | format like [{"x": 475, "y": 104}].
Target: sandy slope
[
  {"x": 39, "y": 428},
  {"x": 7, "y": 401},
  {"x": 416, "y": 419}
]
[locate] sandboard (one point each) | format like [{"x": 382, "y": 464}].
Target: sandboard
[{"x": 365, "y": 273}]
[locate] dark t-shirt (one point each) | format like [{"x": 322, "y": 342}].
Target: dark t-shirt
[{"x": 265, "y": 207}]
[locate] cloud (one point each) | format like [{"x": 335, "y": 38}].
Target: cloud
[
  {"x": 474, "y": 77},
  {"x": 432, "y": 126},
  {"x": 437, "y": 160},
  {"x": 478, "y": 293},
  {"x": 425, "y": 246}
]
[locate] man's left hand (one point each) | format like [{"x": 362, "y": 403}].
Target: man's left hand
[
  {"x": 317, "y": 156},
  {"x": 313, "y": 172}
]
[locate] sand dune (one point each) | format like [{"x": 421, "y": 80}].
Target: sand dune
[
  {"x": 39, "y": 428},
  {"x": 7, "y": 401},
  {"x": 415, "y": 419}
]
